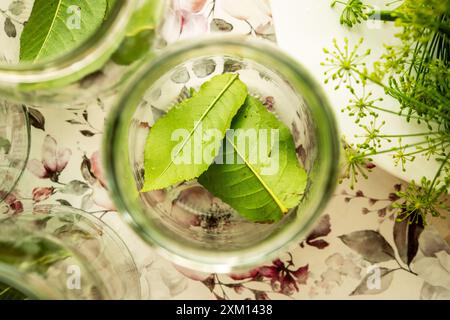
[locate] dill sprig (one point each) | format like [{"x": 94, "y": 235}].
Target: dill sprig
[
  {"x": 354, "y": 12},
  {"x": 414, "y": 72}
]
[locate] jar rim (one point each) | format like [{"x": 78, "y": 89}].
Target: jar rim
[
  {"x": 85, "y": 55},
  {"x": 195, "y": 258}
]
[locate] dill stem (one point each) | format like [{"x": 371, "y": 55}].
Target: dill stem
[
  {"x": 337, "y": 1},
  {"x": 416, "y": 51},
  {"x": 429, "y": 148},
  {"x": 384, "y": 15},
  {"x": 5, "y": 291},
  {"x": 438, "y": 173},
  {"x": 362, "y": 156},
  {"x": 392, "y": 15},
  {"x": 392, "y": 93},
  {"x": 408, "y": 135},
  {"x": 398, "y": 113}
]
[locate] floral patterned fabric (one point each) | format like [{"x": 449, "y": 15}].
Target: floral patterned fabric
[{"x": 356, "y": 250}]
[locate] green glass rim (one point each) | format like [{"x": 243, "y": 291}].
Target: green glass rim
[
  {"x": 327, "y": 141},
  {"x": 88, "y": 53}
]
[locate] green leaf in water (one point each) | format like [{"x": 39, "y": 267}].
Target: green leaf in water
[
  {"x": 140, "y": 33},
  {"x": 133, "y": 48},
  {"x": 9, "y": 293},
  {"x": 261, "y": 188},
  {"x": 57, "y": 26},
  {"x": 5, "y": 145},
  {"x": 146, "y": 17},
  {"x": 109, "y": 8},
  {"x": 168, "y": 160},
  {"x": 36, "y": 254}
]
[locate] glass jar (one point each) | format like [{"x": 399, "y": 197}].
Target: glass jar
[
  {"x": 14, "y": 145},
  {"x": 80, "y": 75},
  {"x": 57, "y": 252},
  {"x": 185, "y": 222}
]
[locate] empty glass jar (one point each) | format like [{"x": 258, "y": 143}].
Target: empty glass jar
[
  {"x": 57, "y": 252},
  {"x": 185, "y": 222}
]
